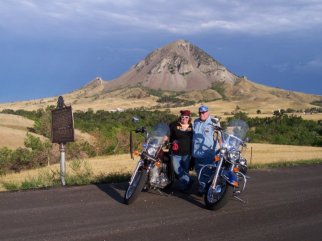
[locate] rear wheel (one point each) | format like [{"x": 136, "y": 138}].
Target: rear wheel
[
  {"x": 218, "y": 197},
  {"x": 134, "y": 189}
]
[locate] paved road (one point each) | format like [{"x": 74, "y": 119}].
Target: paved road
[{"x": 282, "y": 204}]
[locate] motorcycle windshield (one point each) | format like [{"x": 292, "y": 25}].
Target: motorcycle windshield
[
  {"x": 234, "y": 134},
  {"x": 158, "y": 135}
]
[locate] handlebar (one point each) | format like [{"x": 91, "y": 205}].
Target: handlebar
[{"x": 140, "y": 130}]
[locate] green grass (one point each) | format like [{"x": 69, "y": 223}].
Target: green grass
[{"x": 43, "y": 180}]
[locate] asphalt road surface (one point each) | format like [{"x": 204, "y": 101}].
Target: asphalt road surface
[{"x": 281, "y": 204}]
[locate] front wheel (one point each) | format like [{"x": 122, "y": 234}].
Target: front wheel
[
  {"x": 218, "y": 197},
  {"x": 136, "y": 187}
]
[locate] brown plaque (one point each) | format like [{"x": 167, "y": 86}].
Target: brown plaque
[{"x": 62, "y": 125}]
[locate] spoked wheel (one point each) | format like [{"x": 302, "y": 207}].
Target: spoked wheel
[
  {"x": 136, "y": 187},
  {"x": 218, "y": 197}
]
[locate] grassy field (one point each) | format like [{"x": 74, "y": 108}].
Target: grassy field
[
  {"x": 106, "y": 165},
  {"x": 13, "y": 130},
  {"x": 267, "y": 153},
  {"x": 115, "y": 100}
]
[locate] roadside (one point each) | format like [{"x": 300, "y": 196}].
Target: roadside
[{"x": 120, "y": 166}]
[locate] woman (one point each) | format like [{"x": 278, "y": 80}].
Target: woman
[{"x": 181, "y": 140}]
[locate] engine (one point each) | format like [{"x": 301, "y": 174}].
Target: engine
[{"x": 158, "y": 176}]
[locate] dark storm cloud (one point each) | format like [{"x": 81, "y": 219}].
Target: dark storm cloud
[{"x": 181, "y": 16}]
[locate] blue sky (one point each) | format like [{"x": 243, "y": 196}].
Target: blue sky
[{"x": 49, "y": 48}]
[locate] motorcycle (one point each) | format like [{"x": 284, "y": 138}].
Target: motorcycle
[
  {"x": 226, "y": 176},
  {"x": 154, "y": 169}
]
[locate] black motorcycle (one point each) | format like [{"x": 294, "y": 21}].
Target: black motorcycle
[{"x": 154, "y": 169}]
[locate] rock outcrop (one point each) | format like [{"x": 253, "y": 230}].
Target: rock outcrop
[{"x": 178, "y": 66}]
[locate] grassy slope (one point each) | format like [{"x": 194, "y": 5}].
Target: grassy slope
[{"x": 13, "y": 130}]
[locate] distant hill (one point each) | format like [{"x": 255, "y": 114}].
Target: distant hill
[
  {"x": 184, "y": 72},
  {"x": 178, "y": 66}
]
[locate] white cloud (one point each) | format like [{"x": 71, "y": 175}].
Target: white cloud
[
  {"x": 180, "y": 16},
  {"x": 311, "y": 65},
  {"x": 283, "y": 67}
]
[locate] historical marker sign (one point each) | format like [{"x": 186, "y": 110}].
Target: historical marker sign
[{"x": 62, "y": 125}]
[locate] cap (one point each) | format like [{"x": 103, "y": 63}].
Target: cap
[
  {"x": 203, "y": 108},
  {"x": 185, "y": 112}
]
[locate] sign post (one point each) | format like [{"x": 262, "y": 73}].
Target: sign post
[
  {"x": 62, "y": 164},
  {"x": 62, "y": 131}
]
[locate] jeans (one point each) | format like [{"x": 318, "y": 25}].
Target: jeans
[{"x": 181, "y": 168}]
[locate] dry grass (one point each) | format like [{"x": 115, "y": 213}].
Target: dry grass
[
  {"x": 13, "y": 130},
  {"x": 314, "y": 117},
  {"x": 268, "y": 153},
  {"x": 82, "y": 104},
  {"x": 261, "y": 153},
  {"x": 221, "y": 108},
  {"x": 15, "y": 121},
  {"x": 99, "y": 165},
  {"x": 266, "y": 100}
]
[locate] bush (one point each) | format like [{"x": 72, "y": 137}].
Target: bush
[
  {"x": 220, "y": 88},
  {"x": 35, "y": 154},
  {"x": 42, "y": 124},
  {"x": 112, "y": 129},
  {"x": 20, "y": 159},
  {"x": 5, "y": 159},
  {"x": 81, "y": 172},
  {"x": 283, "y": 129}
]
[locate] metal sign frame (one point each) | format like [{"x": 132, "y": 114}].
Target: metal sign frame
[{"x": 62, "y": 125}]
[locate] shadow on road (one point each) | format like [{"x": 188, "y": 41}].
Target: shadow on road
[
  {"x": 114, "y": 190},
  {"x": 189, "y": 196}
]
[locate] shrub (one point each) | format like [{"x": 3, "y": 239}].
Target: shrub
[{"x": 81, "y": 172}]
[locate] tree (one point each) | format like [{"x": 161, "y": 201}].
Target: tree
[{"x": 43, "y": 124}]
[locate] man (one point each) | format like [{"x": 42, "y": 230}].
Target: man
[{"x": 203, "y": 142}]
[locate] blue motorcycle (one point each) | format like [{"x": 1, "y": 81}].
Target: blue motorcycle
[{"x": 226, "y": 176}]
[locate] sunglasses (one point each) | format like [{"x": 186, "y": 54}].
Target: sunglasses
[
  {"x": 201, "y": 113},
  {"x": 184, "y": 117}
]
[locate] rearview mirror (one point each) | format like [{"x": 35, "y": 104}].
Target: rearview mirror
[{"x": 135, "y": 119}]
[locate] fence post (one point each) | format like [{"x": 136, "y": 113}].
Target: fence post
[{"x": 251, "y": 155}]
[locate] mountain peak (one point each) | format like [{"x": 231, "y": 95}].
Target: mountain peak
[{"x": 178, "y": 66}]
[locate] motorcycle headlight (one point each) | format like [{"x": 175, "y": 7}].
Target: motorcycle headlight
[
  {"x": 223, "y": 151},
  {"x": 234, "y": 156},
  {"x": 243, "y": 162},
  {"x": 151, "y": 151}
]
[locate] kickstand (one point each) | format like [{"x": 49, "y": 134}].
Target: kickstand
[
  {"x": 157, "y": 191},
  {"x": 162, "y": 193},
  {"x": 239, "y": 199}
]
